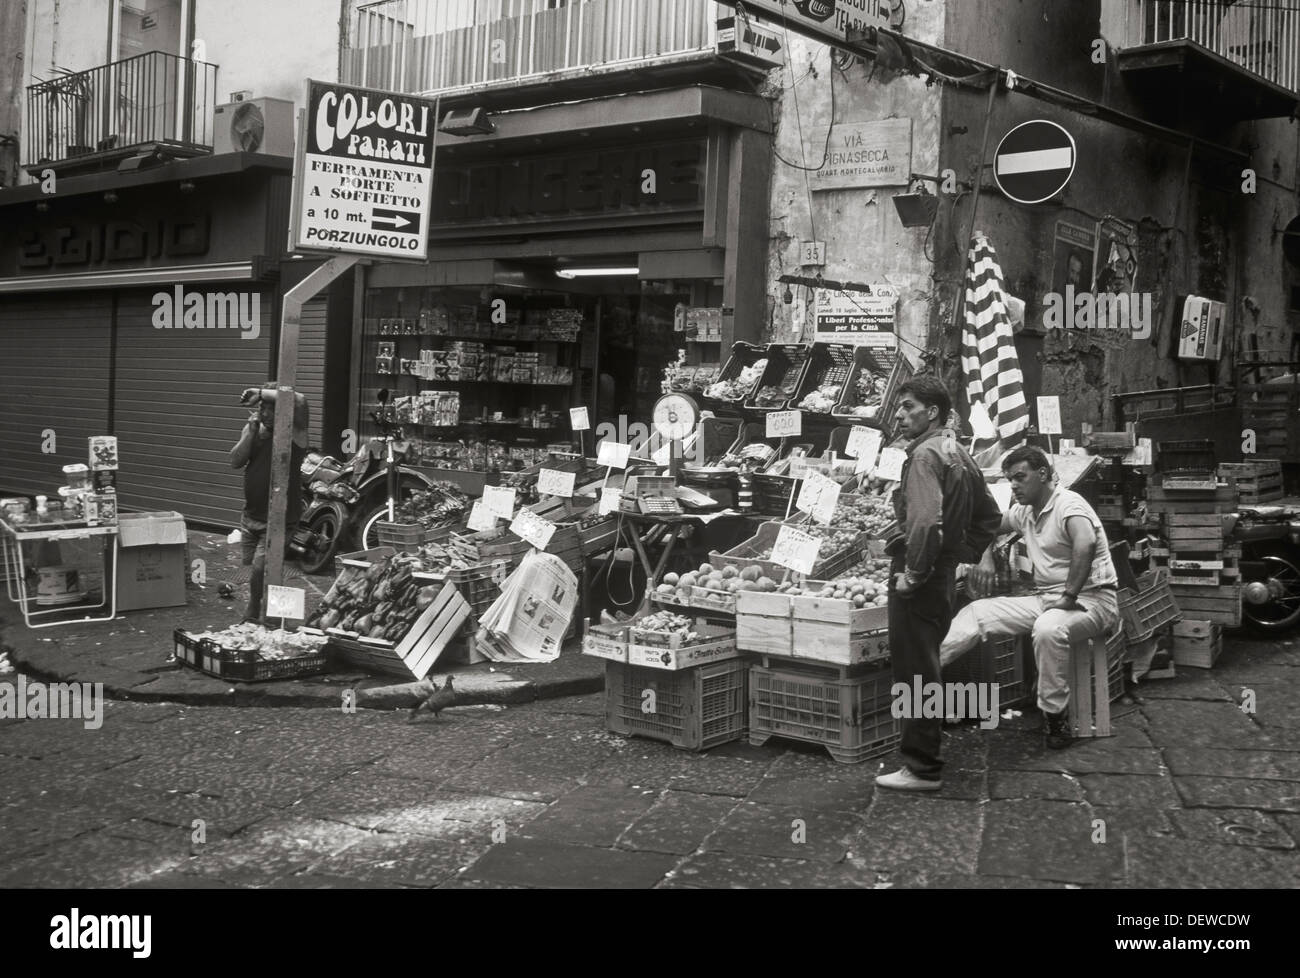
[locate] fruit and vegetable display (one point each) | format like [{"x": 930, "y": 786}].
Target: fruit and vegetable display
[
  {"x": 380, "y": 601},
  {"x": 668, "y": 623},
  {"x": 868, "y": 391},
  {"x": 863, "y": 513},
  {"x": 736, "y": 388},
  {"x": 822, "y": 400},
  {"x": 441, "y": 504},
  {"x": 267, "y": 642},
  {"x": 868, "y": 579},
  {"x": 727, "y": 579}
]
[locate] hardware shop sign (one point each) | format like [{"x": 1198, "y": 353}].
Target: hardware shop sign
[
  {"x": 861, "y": 154},
  {"x": 364, "y": 176}
]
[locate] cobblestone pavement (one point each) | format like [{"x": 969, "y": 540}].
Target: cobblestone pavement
[{"x": 1190, "y": 792}]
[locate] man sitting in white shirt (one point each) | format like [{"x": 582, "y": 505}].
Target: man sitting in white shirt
[{"x": 1076, "y": 595}]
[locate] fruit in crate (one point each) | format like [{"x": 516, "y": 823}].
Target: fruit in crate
[
  {"x": 268, "y": 643},
  {"x": 822, "y": 400},
  {"x": 771, "y": 396},
  {"x": 864, "y": 512},
  {"x": 736, "y": 388},
  {"x": 669, "y": 623},
  {"x": 864, "y": 592},
  {"x": 868, "y": 390}
]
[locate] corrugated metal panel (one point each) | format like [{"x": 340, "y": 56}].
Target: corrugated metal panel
[
  {"x": 178, "y": 412},
  {"x": 311, "y": 361},
  {"x": 54, "y": 368}
]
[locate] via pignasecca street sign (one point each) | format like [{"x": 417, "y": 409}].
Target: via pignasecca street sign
[
  {"x": 363, "y": 183},
  {"x": 826, "y": 20}
]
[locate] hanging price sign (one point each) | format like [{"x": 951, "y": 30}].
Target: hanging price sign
[
  {"x": 285, "y": 602},
  {"x": 579, "y": 419},
  {"x": 891, "y": 464},
  {"x": 796, "y": 550},
  {"x": 816, "y": 487},
  {"x": 828, "y": 497},
  {"x": 784, "y": 424},
  {"x": 553, "y": 483},
  {"x": 609, "y": 500},
  {"x": 481, "y": 516},
  {"x": 500, "y": 501},
  {"x": 1049, "y": 415},
  {"x": 533, "y": 528},
  {"x": 613, "y": 454}
]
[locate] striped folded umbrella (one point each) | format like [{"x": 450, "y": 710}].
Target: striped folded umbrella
[{"x": 988, "y": 353}]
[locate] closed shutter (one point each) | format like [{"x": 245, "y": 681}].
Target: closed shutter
[
  {"x": 54, "y": 370},
  {"x": 178, "y": 412},
  {"x": 311, "y": 363}
]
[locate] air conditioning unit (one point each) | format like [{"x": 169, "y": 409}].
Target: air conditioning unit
[{"x": 258, "y": 125}]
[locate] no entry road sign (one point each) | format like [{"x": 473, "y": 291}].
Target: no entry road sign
[
  {"x": 364, "y": 177},
  {"x": 1034, "y": 161}
]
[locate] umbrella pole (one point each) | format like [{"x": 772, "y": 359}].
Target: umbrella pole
[{"x": 975, "y": 204}]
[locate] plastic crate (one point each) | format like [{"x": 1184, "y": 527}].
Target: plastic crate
[
  {"x": 786, "y": 363},
  {"x": 828, "y": 363},
  {"x": 243, "y": 665},
  {"x": 742, "y": 355},
  {"x": 897, "y": 370},
  {"x": 996, "y": 660},
  {"x": 1152, "y": 606},
  {"x": 851, "y": 718},
  {"x": 478, "y": 586},
  {"x": 695, "y": 709}
]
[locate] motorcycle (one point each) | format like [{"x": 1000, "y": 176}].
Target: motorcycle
[
  {"x": 1270, "y": 567},
  {"x": 344, "y": 502}
]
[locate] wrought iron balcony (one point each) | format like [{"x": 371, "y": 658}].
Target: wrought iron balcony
[
  {"x": 1237, "y": 58},
  {"x": 114, "y": 110},
  {"x": 457, "y": 47}
]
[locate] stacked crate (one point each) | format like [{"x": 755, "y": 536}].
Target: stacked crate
[
  {"x": 1258, "y": 481},
  {"x": 1202, "y": 564},
  {"x": 822, "y": 672}
]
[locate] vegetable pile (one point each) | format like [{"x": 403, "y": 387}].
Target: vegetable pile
[
  {"x": 737, "y": 388},
  {"x": 380, "y": 601},
  {"x": 268, "y": 643},
  {"x": 443, "y": 503}
]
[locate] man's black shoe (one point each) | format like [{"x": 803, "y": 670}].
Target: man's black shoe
[{"x": 1057, "y": 727}]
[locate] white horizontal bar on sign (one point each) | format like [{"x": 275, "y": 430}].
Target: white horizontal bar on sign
[{"x": 1037, "y": 161}]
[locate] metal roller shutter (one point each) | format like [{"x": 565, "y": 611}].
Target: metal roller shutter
[
  {"x": 54, "y": 374},
  {"x": 311, "y": 362},
  {"x": 178, "y": 412}
]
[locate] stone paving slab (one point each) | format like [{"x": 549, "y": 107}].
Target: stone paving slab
[
  {"x": 916, "y": 834},
  {"x": 1228, "y": 826},
  {"x": 1127, "y": 789},
  {"x": 592, "y": 815},
  {"x": 678, "y": 822},
  {"x": 1204, "y": 792},
  {"x": 1194, "y": 864},
  {"x": 799, "y": 832},
  {"x": 1045, "y": 840},
  {"x": 393, "y": 859},
  {"x": 1261, "y": 764},
  {"x": 726, "y": 870},
  {"x": 1046, "y": 785}
]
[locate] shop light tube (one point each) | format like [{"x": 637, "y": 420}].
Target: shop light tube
[{"x": 591, "y": 272}]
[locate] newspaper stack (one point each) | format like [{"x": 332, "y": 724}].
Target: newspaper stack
[{"x": 527, "y": 623}]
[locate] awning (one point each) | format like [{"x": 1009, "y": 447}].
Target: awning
[{"x": 235, "y": 271}]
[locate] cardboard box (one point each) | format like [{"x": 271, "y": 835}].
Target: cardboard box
[
  {"x": 1200, "y": 335},
  {"x": 151, "y": 568}
]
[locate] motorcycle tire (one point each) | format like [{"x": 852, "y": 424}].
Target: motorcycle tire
[
  {"x": 376, "y": 511},
  {"x": 327, "y": 529},
  {"x": 1280, "y": 564}
]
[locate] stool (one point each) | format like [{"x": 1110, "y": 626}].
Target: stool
[{"x": 1090, "y": 689}]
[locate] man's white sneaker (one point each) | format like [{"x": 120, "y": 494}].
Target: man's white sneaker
[{"x": 904, "y": 780}]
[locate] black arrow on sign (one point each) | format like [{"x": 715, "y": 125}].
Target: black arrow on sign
[{"x": 768, "y": 43}]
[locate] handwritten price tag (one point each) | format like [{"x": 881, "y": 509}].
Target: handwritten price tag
[
  {"x": 609, "y": 499},
  {"x": 499, "y": 501},
  {"x": 815, "y": 485},
  {"x": 863, "y": 441},
  {"x": 783, "y": 424},
  {"x": 663, "y": 455},
  {"x": 828, "y": 497},
  {"x": 285, "y": 602},
  {"x": 553, "y": 483},
  {"x": 796, "y": 550},
  {"x": 533, "y": 528},
  {"x": 613, "y": 454},
  {"x": 579, "y": 419},
  {"x": 481, "y": 516},
  {"x": 891, "y": 464},
  {"x": 1049, "y": 415}
]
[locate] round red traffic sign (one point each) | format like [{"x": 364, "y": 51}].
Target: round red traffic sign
[{"x": 1034, "y": 161}]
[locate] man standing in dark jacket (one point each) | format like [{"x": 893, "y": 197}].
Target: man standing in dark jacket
[{"x": 947, "y": 516}]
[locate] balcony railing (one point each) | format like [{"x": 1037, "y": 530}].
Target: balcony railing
[
  {"x": 1263, "y": 36},
  {"x": 450, "y": 46},
  {"x": 153, "y": 98}
]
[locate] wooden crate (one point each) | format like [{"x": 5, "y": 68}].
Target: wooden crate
[
  {"x": 1169, "y": 498},
  {"x": 415, "y": 654},
  {"x": 833, "y": 630},
  {"x": 1089, "y": 710},
  {"x": 660, "y": 650},
  {"x": 764, "y": 623},
  {"x": 608, "y": 642},
  {"x": 1220, "y": 604},
  {"x": 1258, "y": 480},
  {"x": 1200, "y": 570},
  {"x": 1197, "y": 642}
]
